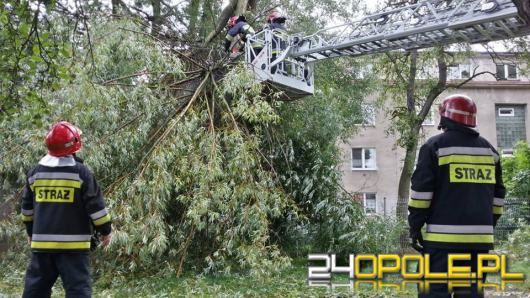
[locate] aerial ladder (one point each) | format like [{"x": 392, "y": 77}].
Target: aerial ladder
[{"x": 288, "y": 64}]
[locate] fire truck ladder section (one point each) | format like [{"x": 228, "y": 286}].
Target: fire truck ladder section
[{"x": 287, "y": 62}]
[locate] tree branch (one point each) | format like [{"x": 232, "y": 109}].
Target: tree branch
[
  {"x": 394, "y": 62},
  {"x": 436, "y": 90},
  {"x": 221, "y": 21},
  {"x": 411, "y": 85},
  {"x": 456, "y": 86}
]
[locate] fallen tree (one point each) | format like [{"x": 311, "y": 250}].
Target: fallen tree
[{"x": 197, "y": 166}]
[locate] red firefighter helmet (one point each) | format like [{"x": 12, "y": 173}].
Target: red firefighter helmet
[
  {"x": 274, "y": 15},
  {"x": 459, "y": 108},
  {"x": 63, "y": 139},
  {"x": 232, "y": 21}
]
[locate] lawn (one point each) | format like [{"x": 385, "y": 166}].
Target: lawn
[{"x": 291, "y": 282}]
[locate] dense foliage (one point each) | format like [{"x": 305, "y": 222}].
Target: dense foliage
[
  {"x": 199, "y": 169},
  {"x": 516, "y": 171},
  {"x": 31, "y": 48}
]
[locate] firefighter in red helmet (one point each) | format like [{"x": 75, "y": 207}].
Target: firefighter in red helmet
[
  {"x": 275, "y": 20},
  {"x": 61, "y": 205},
  {"x": 457, "y": 192},
  {"x": 237, "y": 27},
  {"x": 276, "y": 23}
]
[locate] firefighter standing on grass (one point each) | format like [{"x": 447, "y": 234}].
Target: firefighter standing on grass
[
  {"x": 457, "y": 192},
  {"x": 61, "y": 203}
]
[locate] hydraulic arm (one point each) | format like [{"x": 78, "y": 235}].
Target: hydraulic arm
[{"x": 425, "y": 24}]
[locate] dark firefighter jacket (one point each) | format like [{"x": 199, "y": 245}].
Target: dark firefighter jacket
[
  {"x": 279, "y": 37},
  {"x": 241, "y": 28},
  {"x": 60, "y": 203},
  {"x": 456, "y": 190}
]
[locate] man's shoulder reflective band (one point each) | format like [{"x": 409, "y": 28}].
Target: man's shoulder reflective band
[
  {"x": 473, "y": 151},
  {"x": 101, "y": 217},
  {"x": 471, "y": 159},
  {"x": 55, "y": 176},
  {"x": 419, "y": 199},
  {"x": 459, "y": 233},
  {"x": 52, "y": 241},
  {"x": 55, "y": 183}
]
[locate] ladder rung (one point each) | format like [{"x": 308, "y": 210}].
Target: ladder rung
[
  {"x": 378, "y": 44},
  {"x": 504, "y": 27},
  {"x": 429, "y": 37},
  {"x": 479, "y": 28},
  {"x": 462, "y": 35}
]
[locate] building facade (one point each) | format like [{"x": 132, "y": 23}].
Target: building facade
[{"x": 372, "y": 162}]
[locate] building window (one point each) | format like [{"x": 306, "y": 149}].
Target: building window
[
  {"x": 363, "y": 158},
  {"x": 370, "y": 203},
  {"x": 459, "y": 72},
  {"x": 367, "y": 117},
  {"x": 506, "y": 72},
  {"x": 511, "y": 125},
  {"x": 506, "y": 112},
  {"x": 368, "y": 200}
]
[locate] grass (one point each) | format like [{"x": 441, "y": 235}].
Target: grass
[{"x": 291, "y": 282}]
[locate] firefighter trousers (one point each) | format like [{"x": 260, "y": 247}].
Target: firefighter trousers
[
  {"x": 44, "y": 268},
  {"x": 438, "y": 263}
]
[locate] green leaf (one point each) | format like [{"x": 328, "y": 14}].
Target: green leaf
[{"x": 24, "y": 29}]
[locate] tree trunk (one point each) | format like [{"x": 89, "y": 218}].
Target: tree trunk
[
  {"x": 523, "y": 6},
  {"x": 193, "y": 13},
  {"x": 115, "y": 4},
  {"x": 411, "y": 147},
  {"x": 406, "y": 175},
  {"x": 157, "y": 20},
  {"x": 241, "y": 7},
  {"x": 252, "y": 5},
  {"x": 227, "y": 12},
  {"x": 234, "y": 7}
]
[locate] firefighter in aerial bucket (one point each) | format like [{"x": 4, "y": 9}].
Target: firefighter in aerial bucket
[
  {"x": 276, "y": 23},
  {"x": 238, "y": 33},
  {"x": 62, "y": 204},
  {"x": 457, "y": 193}
]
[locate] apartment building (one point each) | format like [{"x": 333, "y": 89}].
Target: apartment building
[{"x": 372, "y": 162}]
